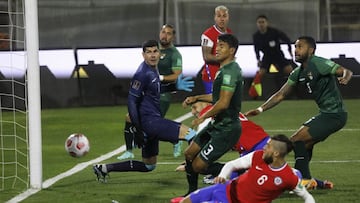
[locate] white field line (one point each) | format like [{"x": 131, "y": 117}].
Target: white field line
[
  {"x": 81, "y": 166},
  {"x": 78, "y": 167}
]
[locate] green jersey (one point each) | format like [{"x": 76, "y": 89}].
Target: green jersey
[
  {"x": 170, "y": 60},
  {"x": 319, "y": 81},
  {"x": 229, "y": 78}
]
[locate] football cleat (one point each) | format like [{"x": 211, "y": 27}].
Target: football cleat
[
  {"x": 177, "y": 149},
  {"x": 126, "y": 155},
  {"x": 328, "y": 184},
  {"x": 208, "y": 179},
  {"x": 176, "y": 199},
  {"x": 309, "y": 184},
  {"x": 100, "y": 174}
]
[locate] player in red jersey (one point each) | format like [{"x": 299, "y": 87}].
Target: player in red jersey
[
  {"x": 208, "y": 46},
  {"x": 268, "y": 176}
]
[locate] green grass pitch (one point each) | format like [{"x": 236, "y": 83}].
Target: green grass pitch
[{"x": 336, "y": 159}]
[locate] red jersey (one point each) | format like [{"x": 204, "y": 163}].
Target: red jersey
[
  {"x": 261, "y": 183},
  {"x": 251, "y": 133},
  {"x": 209, "y": 39}
]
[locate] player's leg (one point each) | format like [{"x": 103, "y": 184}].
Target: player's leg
[
  {"x": 129, "y": 140},
  {"x": 150, "y": 151},
  {"x": 300, "y": 138},
  {"x": 215, "y": 193},
  {"x": 192, "y": 177},
  {"x": 315, "y": 130}
]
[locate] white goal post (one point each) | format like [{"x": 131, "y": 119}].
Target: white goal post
[{"x": 34, "y": 97}]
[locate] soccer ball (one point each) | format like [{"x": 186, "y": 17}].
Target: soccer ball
[{"x": 77, "y": 145}]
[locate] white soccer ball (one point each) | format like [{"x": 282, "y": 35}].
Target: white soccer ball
[{"x": 77, "y": 145}]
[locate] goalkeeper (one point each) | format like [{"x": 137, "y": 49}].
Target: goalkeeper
[{"x": 144, "y": 110}]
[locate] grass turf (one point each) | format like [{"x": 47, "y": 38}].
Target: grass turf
[{"x": 336, "y": 159}]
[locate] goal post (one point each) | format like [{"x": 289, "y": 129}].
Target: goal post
[{"x": 34, "y": 96}]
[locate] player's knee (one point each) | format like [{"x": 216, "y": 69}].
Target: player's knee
[{"x": 150, "y": 167}]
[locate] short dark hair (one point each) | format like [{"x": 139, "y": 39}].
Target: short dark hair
[
  {"x": 230, "y": 39},
  {"x": 284, "y": 139},
  {"x": 309, "y": 40},
  {"x": 169, "y": 26},
  {"x": 261, "y": 16},
  {"x": 150, "y": 43}
]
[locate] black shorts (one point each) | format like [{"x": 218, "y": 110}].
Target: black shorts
[{"x": 279, "y": 61}]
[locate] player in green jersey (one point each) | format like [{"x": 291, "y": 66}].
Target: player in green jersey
[
  {"x": 219, "y": 136},
  {"x": 170, "y": 67},
  {"x": 317, "y": 77}
]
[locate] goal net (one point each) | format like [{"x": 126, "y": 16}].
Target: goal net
[{"x": 17, "y": 71}]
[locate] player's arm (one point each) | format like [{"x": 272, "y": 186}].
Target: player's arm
[
  {"x": 243, "y": 162},
  {"x": 222, "y": 104},
  {"x": 274, "y": 100},
  {"x": 198, "y": 98},
  {"x": 344, "y": 75},
  {"x": 257, "y": 50},
  {"x": 206, "y": 48},
  {"x": 134, "y": 98},
  {"x": 303, "y": 193},
  {"x": 172, "y": 77}
]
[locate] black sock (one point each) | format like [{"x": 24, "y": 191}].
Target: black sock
[
  {"x": 310, "y": 152},
  {"x": 129, "y": 138},
  {"x": 302, "y": 159},
  {"x": 191, "y": 176},
  {"x": 130, "y": 165},
  {"x": 214, "y": 169}
]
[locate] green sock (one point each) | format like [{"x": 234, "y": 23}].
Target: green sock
[{"x": 302, "y": 159}]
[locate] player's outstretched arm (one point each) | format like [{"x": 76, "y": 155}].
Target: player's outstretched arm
[
  {"x": 345, "y": 75},
  {"x": 274, "y": 100}
]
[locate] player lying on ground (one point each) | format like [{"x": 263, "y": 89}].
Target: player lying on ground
[
  {"x": 253, "y": 137},
  {"x": 268, "y": 176}
]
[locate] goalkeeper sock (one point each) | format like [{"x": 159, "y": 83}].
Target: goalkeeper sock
[
  {"x": 125, "y": 166},
  {"x": 302, "y": 159},
  {"x": 190, "y": 134},
  {"x": 129, "y": 138},
  {"x": 191, "y": 176}
]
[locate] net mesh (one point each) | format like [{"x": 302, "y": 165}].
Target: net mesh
[{"x": 14, "y": 164}]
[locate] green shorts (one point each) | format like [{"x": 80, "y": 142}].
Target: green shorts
[
  {"x": 217, "y": 138},
  {"x": 324, "y": 124}
]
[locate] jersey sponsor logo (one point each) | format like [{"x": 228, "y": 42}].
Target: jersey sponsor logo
[
  {"x": 301, "y": 79},
  {"x": 258, "y": 168},
  {"x": 136, "y": 85},
  {"x": 310, "y": 75},
  {"x": 226, "y": 79},
  {"x": 277, "y": 181}
]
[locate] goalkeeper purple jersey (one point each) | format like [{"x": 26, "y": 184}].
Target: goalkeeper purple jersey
[{"x": 144, "y": 94}]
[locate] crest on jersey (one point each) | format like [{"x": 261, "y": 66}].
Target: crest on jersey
[
  {"x": 277, "y": 180},
  {"x": 162, "y": 56},
  {"x": 136, "y": 84},
  {"x": 310, "y": 75},
  {"x": 205, "y": 42}
]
